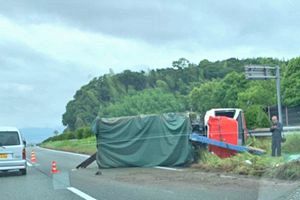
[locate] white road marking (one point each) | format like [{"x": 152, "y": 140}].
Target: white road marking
[
  {"x": 65, "y": 152},
  {"x": 226, "y": 176},
  {"x": 168, "y": 168},
  {"x": 80, "y": 193}
]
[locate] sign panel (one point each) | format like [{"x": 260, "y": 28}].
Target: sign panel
[{"x": 259, "y": 72}]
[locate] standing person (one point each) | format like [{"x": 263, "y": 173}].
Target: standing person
[{"x": 276, "y": 130}]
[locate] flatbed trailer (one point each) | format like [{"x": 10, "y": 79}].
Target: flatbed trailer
[{"x": 194, "y": 137}]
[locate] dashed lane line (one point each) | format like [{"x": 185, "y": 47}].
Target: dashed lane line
[
  {"x": 80, "y": 193},
  {"x": 168, "y": 168}
]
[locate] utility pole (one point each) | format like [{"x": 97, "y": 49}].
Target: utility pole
[{"x": 278, "y": 93}]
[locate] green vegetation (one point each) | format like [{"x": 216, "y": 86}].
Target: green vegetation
[
  {"x": 247, "y": 164},
  {"x": 80, "y": 133},
  {"x": 148, "y": 101},
  {"x": 261, "y": 143},
  {"x": 235, "y": 91},
  {"x": 86, "y": 145},
  {"x": 290, "y": 171},
  {"x": 291, "y": 82},
  {"x": 183, "y": 87},
  {"x": 243, "y": 163},
  {"x": 292, "y": 144}
]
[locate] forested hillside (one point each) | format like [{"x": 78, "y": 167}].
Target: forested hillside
[{"x": 183, "y": 87}]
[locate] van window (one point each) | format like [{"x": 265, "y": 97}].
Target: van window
[{"x": 9, "y": 138}]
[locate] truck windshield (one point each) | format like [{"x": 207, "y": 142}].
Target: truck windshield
[
  {"x": 226, "y": 113},
  {"x": 9, "y": 138}
]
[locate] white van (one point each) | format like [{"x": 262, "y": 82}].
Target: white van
[{"x": 12, "y": 150}]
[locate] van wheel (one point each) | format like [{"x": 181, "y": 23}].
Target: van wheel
[{"x": 23, "y": 171}]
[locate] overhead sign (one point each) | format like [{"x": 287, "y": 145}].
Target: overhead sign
[
  {"x": 260, "y": 72},
  {"x": 256, "y": 72}
]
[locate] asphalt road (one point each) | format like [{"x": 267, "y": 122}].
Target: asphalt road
[{"x": 133, "y": 183}]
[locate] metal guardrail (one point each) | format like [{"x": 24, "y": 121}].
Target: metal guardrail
[{"x": 265, "y": 132}]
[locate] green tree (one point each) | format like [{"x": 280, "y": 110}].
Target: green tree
[
  {"x": 181, "y": 63},
  {"x": 261, "y": 93},
  {"x": 291, "y": 83},
  {"x": 232, "y": 84},
  {"x": 162, "y": 85},
  {"x": 214, "y": 84},
  {"x": 151, "y": 101},
  {"x": 218, "y": 93},
  {"x": 135, "y": 79},
  {"x": 207, "y": 96},
  {"x": 256, "y": 117}
]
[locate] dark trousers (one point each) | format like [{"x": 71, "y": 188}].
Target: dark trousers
[{"x": 276, "y": 147}]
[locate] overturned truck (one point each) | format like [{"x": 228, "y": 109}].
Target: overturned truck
[
  {"x": 166, "y": 139},
  {"x": 143, "y": 141}
]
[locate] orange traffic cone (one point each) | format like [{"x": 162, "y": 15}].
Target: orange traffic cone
[
  {"x": 33, "y": 158},
  {"x": 54, "y": 168}
]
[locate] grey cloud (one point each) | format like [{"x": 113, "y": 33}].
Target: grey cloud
[
  {"x": 257, "y": 22},
  {"x": 213, "y": 24},
  {"x": 153, "y": 20},
  {"x": 34, "y": 88}
]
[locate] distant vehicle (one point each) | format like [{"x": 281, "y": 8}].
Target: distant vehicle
[{"x": 12, "y": 150}]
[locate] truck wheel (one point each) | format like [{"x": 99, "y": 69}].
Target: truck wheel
[{"x": 23, "y": 171}]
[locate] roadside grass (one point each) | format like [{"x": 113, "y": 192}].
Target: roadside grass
[
  {"x": 290, "y": 171},
  {"x": 255, "y": 165},
  {"x": 242, "y": 163},
  {"x": 292, "y": 144},
  {"x": 86, "y": 145},
  {"x": 261, "y": 143}
]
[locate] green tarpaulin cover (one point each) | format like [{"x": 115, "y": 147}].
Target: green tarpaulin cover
[{"x": 144, "y": 141}]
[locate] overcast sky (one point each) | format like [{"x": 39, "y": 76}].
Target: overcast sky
[{"x": 50, "y": 48}]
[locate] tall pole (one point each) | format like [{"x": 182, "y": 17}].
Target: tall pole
[{"x": 278, "y": 94}]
